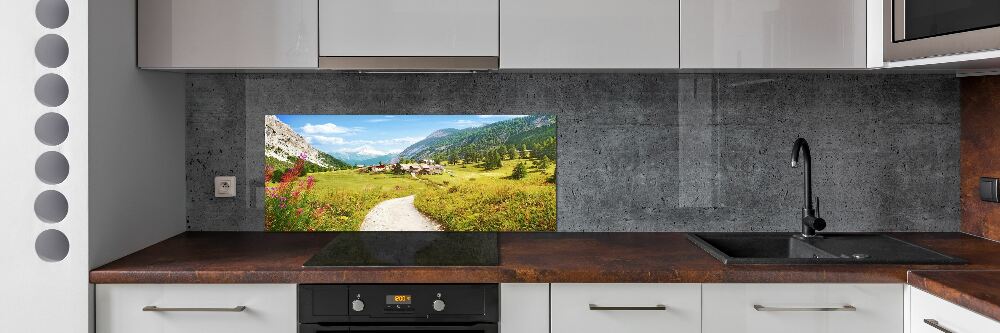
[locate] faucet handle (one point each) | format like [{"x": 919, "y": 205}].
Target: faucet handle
[{"x": 817, "y": 206}]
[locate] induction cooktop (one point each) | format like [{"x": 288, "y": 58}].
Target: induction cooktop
[{"x": 408, "y": 248}]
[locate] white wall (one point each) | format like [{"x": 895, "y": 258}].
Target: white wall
[
  {"x": 38, "y": 295},
  {"x": 124, "y": 124},
  {"x": 137, "y": 192}
]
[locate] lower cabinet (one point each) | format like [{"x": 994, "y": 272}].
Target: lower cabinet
[
  {"x": 930, "y": 314},
  {"x": 569, "y": 308},
  {"x": 524, "y": 307},
  {"x": 630, "y": 307},
  {"x": 187, "y": 308},
  {"x": 803, "y": 308}
]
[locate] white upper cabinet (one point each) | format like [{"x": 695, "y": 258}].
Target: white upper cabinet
[
  {"x": 589, "y": 34},
  {"x": 779, "y": 34},
  {"x": 409, "y": 28},
  {"x": 227, "y": 34}
]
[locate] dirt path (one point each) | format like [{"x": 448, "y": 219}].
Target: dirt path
[{"x": 397, "y": 214}]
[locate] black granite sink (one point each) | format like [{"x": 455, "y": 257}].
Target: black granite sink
[{"x": 833, "y": 248}]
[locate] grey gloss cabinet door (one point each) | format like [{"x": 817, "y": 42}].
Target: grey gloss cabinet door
[
  {"x": 779, "y": 34},
  {"x": 220, "y": 34},
  {"x": 589, "y": 34}
]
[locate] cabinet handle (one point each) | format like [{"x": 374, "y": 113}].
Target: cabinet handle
[
  {"x": 159, "y": 309},
  {"x": 768, "y": 308},
  {"x": 934, "y": 323},
  {"x": 595, "y": 307}
]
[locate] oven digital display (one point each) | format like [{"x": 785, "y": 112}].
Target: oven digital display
[{"x": 398, "y": 299}]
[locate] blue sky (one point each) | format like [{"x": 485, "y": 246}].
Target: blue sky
[{"x": 376, "y": 135}]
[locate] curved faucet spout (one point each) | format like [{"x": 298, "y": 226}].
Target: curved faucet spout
[
  {"x": 810, "y": 222},
  {"x": 802, "y": 146}
]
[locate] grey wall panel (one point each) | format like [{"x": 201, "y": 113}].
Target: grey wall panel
[{"x": 638, "y": 152}]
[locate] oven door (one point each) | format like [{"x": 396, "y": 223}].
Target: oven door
[
  {"x": 376, "y": 328},
  {"x": 916, "y": 29}
]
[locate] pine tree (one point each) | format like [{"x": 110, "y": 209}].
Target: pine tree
[
  {"x": 493, "y": 161},
  {"x": 520, "y": 171},
  {"x": 543, "y": 163}
]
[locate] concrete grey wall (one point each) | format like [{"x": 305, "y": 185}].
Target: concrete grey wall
[{"x": 637, "y": 152}]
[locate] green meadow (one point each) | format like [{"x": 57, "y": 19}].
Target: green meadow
[{"x": 465, "y": 198}]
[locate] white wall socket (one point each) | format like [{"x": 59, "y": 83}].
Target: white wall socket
[{"x": 225, "y": 186}]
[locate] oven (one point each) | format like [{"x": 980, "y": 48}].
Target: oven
[
  {"x": 915, "y": 29},
  {"x": 384, "y": 308}
]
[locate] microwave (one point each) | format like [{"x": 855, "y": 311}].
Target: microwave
[{"x": 915, "y": 29}]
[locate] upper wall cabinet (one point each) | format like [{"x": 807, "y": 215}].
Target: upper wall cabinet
[
  {"x": 182, "y": 34},
  {"x": 779, "y": 34},
  {"x": 589, "y": 34},
  {"x": 408, "y": 33}
]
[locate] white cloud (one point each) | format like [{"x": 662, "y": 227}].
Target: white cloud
[
  {"x": 500, "y": 116},
  {"x": 366, "y": 151},
  {"x": 338, "y": 141},
  {"x": 463, "y": 123},
  {"x": 381, "y": 120},
  {"x": 395, "y": 141},
  {"x": 325, "y": 140},
  {"x": 328, "y": 128}
]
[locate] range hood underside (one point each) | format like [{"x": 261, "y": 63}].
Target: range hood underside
[{"x": 409, "y": 63}]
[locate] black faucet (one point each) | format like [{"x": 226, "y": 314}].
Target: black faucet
[{"x": 810, "y": 221}]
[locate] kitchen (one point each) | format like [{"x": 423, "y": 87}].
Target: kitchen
[{"x": 665, "y": 189}]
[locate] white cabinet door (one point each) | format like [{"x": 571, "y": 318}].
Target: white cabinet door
[
  {"x": 270, "y": 308},
  {"x": 773, "y": 34},
  {"x": 589, "y": 34},
  {"x": 227, "y": 34},
  {"x": 426, "y": 28},
  {"x": 524, "y": 308},
  {"x": 802, "y": 308},
  {"x": 927, "y": 310},
  {"x": 627, "y": 307}
]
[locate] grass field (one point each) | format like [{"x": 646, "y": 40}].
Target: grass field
[{"x": 465, "y": 198}]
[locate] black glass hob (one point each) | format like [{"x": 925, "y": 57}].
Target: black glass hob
[{"x": 408, "y": 248}]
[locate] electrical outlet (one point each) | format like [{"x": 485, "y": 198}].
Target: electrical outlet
[{"x": 225, "y": 186}]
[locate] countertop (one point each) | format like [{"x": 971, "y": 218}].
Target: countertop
[
  {"x": 978, "y": 291},
  {"x": 257, "y": 257}
]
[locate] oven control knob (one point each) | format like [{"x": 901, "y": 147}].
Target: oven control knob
[
  {"x": 358, "y": 305},
  {"x": 438, "y": 305}
]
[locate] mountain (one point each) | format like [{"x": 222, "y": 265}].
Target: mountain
[
  {"x": 539, "y": 130},
  {"x": 365, "y": 157},
  {"x": 428, "y": 143},
  {"x": 282, "y": 146}
]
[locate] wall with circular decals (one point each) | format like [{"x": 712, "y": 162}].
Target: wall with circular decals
[{"x": 52, "y": 129}]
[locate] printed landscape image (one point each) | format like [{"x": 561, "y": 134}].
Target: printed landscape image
[{"x": 410, "y": 173}]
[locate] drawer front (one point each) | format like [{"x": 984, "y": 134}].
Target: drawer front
[
  {"x": 269, "y": 308},
  {"x": 633, "y": 308},
  {"x": 803, "y": 308},
  {"x": 947, "y": 316}
]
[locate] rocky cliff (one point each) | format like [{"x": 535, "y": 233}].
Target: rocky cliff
[{"x": 283, "y": 144}]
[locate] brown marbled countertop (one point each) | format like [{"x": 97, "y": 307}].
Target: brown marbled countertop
[
  {"x": 257, "y": 257},
  {"x": 978, "y": 291}
]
